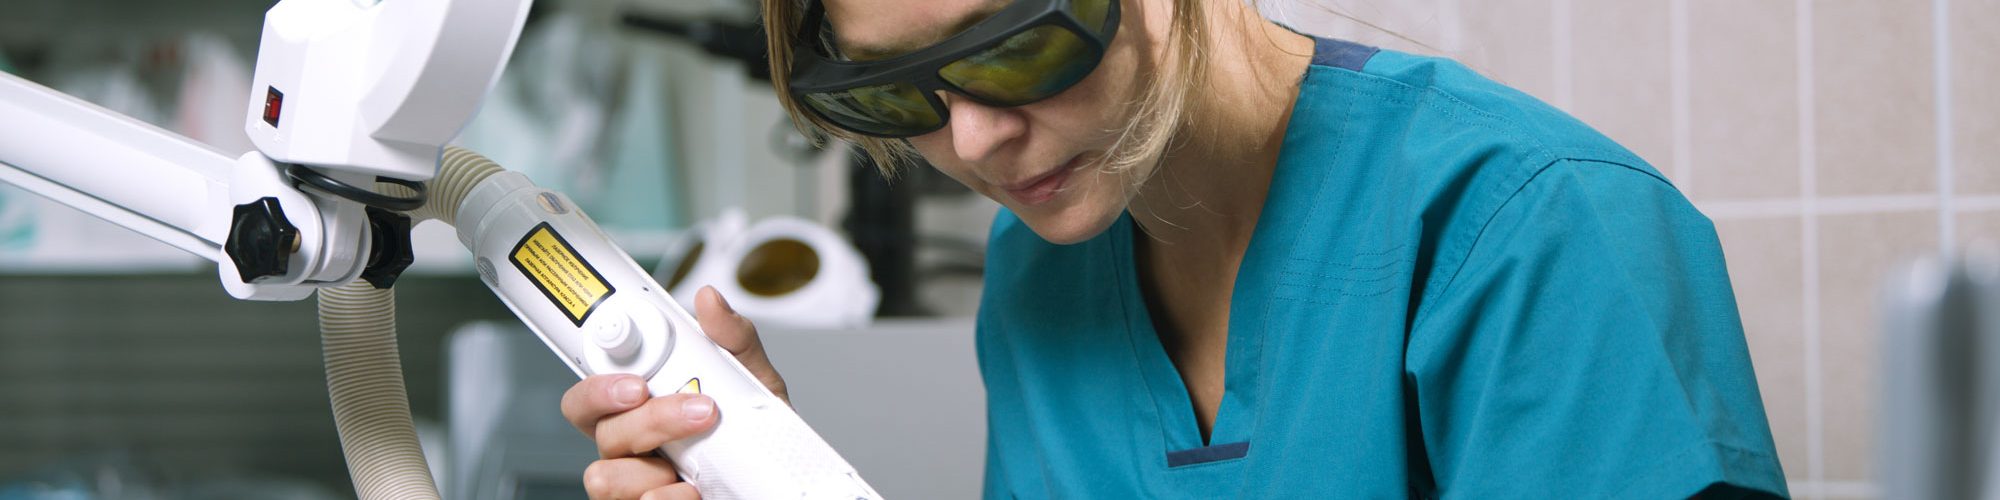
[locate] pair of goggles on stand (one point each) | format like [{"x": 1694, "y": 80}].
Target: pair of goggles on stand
[{"x": 1028, "y": 51}]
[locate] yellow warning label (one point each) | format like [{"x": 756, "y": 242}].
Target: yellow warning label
[
  {"x": 692, "y": 387},
  {"x": 565, "y": 278}
]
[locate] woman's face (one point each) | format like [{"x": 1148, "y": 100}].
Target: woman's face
[{"x": 1034, "y": 159}]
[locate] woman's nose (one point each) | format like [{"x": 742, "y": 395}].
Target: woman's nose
[{"x": 978, "y": 131}]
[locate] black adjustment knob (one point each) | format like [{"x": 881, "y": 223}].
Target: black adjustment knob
[
  {"x": 261, "y": 241},
  {"x": 390, "y": 253}
]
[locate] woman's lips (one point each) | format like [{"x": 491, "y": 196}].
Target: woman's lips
[{"x": 1042, "y": 188}]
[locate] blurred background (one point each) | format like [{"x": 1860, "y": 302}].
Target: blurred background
[{"x": 1831, "y": 141}]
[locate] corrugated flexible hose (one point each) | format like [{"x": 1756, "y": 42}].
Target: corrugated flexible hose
[{"x": 371, "y": 408}]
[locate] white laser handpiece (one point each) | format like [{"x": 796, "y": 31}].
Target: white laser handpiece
[
  {"x": 603, "y": 313},
  {"x": 356, "y": 89}
]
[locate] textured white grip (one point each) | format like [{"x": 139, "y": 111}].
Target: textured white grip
[
  {"x": 760, "y": 448},
  {"x": 602, "y": 313}
]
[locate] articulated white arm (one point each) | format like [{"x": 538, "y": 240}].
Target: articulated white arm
[
  {"x": 114, "y": 167},
  {"x": 175, "y": 190},
  {"x": 350, "y": 89},
  {"x": 329, "y": 94}
]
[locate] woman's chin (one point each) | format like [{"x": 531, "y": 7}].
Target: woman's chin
[{"x": 1074, "y": 224}]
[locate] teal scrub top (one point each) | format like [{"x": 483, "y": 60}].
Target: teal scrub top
[{"x": 1454, "y": 290}]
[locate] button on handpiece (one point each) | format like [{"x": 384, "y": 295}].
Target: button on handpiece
[{"x": 618, "y": 336}]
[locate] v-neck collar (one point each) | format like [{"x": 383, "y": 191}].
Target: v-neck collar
[
  {"x": 1250, "y": 303},
  {"x": 1163, "y": 380}
]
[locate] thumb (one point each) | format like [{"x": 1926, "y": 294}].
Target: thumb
[
  {"x": 728, "y": 329},
  {"x": 737, "y": 335}
]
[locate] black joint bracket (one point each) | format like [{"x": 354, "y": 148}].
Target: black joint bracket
[
  {"x": 261, "y": 241},
  {"x": 390, "y": 253}
]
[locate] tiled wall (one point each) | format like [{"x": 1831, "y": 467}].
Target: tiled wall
[{"x": 1829, "y": 140}]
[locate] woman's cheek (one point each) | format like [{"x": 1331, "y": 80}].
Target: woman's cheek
[
  {"x": 931, "y": 147},
  {"x": 934, "y": 146}
]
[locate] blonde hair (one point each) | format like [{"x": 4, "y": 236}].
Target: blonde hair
[{"x": 1158, "y": 116}]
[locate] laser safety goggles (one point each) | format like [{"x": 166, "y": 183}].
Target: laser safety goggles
[{"x": 1028, "y": 51}]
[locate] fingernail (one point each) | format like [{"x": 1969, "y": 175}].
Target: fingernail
[
  {"x": 697, "y": 408},
  {"x": 724, "y": 302},
  {"x": 628, "y": 392}
]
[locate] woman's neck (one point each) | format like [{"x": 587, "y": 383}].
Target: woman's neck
[{"x": 1202, "y": 202}]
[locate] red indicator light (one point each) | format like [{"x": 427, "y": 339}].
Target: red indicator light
[{"x": 274, "y": 104}]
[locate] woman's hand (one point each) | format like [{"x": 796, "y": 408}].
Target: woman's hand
[{"x": 617, "y": 412}]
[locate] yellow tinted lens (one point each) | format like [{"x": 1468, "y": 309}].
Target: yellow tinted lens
[
  {"x": 1091, "y": 12},
  {"x": 1029, "y": 66},
  {"x": 887, "y": 109}
]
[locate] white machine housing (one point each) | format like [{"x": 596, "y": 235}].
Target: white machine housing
[{"x": 375, "y": 88}]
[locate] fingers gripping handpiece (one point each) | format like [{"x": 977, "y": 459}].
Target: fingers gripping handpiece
[
  {"x": 603, "y": 313},
  {"x": 349, "y": 92}
]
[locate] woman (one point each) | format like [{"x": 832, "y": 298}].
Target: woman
[{"x": 1237, "y": 261}]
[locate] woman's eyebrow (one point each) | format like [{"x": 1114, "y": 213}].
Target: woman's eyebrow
[{"x": 861, "y": 52}]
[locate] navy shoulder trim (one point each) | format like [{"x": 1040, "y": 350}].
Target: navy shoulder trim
[{"x": 1341, "y": 53}]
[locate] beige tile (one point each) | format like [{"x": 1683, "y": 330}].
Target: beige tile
[
  {"x": 1513, "y": 42},
  {"x": 1415, "y": 26},
  {"x": 1622, "y": 81},
  {"x": 1975, "y": 96},
  {"x": 1763, "y": 257},
  {"x": 1743, "y": 91},
  {"x": 1857, "y": 252},
  {"x": 1875, "y": 106},
  {"x": 1980, "y": 229}
]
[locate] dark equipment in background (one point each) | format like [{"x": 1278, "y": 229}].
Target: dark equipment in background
[
  {"x": 882, "y": 221},
  {"x": 741, "y": 42}
]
